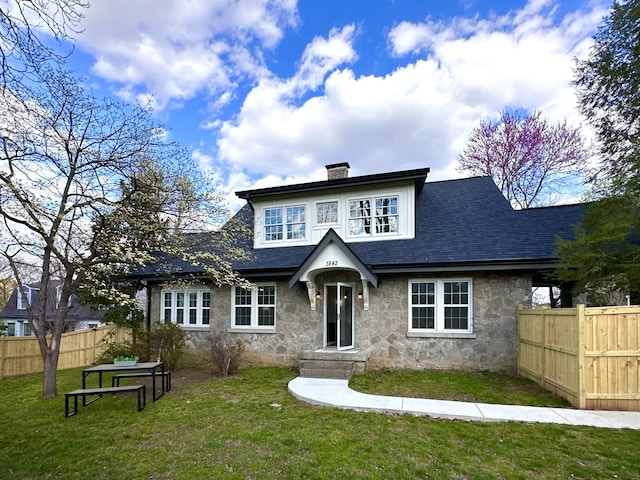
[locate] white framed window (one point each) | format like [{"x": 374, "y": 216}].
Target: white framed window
[
  {"x": 190, "y": 307},
  {"x": 441, "y": 305},
  {"x": 59, "y": 296},
  {"x": 273, "y": 224},
  {"x": 30, "y": 293},
  {"x": 26, "y": 329},
  {"x": 254, "y": 307},
  {"x": 296, "y": 223},
  {"x": 285, "y": 223},
  {"x": 373, "y": 216},
  {"x": 326, "y": 212}
]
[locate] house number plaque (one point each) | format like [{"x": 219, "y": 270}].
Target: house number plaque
[{"x": 331, "y": 263}]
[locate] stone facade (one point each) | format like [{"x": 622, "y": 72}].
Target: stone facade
[{"x": 382, "y": 330}]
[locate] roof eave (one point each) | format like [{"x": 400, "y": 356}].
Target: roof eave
[{"x": 418, "y": 176}]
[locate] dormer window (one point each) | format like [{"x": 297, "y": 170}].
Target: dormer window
[
  {"x": 59, "y": 296},
  {"x": 381, "y": 219},
  {"x": 296, "y": 226},
  {"x": 326, "y": 212},
  {"x": 30, "y": 293},
  {"x": 288, "y": 226}
]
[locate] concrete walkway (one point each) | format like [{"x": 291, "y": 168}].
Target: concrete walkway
[{"x": 336, "y": 393}]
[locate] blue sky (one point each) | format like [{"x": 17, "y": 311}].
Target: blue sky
[{"x": 266, "y": 92}]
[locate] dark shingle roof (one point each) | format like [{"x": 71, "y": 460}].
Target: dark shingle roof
[
  {"x": 77, "y": 312},
  {"x": 459, "y": 223}
]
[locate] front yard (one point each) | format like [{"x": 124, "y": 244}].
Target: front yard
[{"x": 250, "y": 427}]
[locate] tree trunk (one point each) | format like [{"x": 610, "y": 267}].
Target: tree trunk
[{"x": 50, "y": 377}]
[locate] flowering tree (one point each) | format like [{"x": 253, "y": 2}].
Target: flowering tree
[
  {"x": 88, "y": 189},
  {"x": 529, "y": 159}
]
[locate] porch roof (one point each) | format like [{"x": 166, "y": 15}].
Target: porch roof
[{"x": 315, "y": 263}]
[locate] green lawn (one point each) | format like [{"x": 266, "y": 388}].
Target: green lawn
[
  {"x": 250, "y": 427},
  {"x": 482, "y": 387}
]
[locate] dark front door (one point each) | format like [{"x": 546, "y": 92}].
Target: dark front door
[{"x": 339, "y": 324}]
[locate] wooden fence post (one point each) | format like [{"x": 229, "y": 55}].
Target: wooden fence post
[
  {"x": 3, "y": 354},
  {"x": 581, "y": 358},
  {"x": 519, "y": 328},
  {"x": 545, "y": 346}
]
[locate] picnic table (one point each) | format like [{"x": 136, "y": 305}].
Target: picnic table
[{"x": 152, "y": 369}]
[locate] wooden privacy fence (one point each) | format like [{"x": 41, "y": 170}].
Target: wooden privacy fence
[
  {"x": 590, "y": 356},
  {"x": 21, "y": 355}
]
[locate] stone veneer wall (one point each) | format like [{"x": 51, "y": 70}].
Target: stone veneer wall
[
  {"x": 383, "y": 328},
  {"x": 495, "y": 346}
]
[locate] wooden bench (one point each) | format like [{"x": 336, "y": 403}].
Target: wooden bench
[
  {"x": 115, "y": 380},
  {"x": 84, "y": 392}
]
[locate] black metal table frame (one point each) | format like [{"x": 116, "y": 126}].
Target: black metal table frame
[{"x": 150, "y": 367}]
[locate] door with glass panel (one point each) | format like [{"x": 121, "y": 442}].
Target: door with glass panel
[{"x": 339, "y": 321}]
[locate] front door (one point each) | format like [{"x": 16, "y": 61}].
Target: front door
[{"x": 339, "y": 324}]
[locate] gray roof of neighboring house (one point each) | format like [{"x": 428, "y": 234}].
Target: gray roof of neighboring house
[
  {"x": 76, "y": 313},
  {"x": 460, "y": 224}
]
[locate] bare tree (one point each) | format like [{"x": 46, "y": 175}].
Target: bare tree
[
  {"x": 89, "y": 187},
  {"x": 6, "y": 283},
  {"x": 22, "y": 24},
  {"x": 529, "y": 158}
]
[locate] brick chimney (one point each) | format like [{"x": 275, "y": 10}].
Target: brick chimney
[{"x": 337, "y": 170}]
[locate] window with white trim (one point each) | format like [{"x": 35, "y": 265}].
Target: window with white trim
[
  {"x": 254, "y": 307},
  {"x": 440, "y": 306},
  {"x": 288, "y": 226},
  {"x": 326, "y": 212},
  {"x": 59, "y": 296},
  {"x": 373, "y": 216},
  {"x": 30, "y": 293},
  {"x": 189, "y": 307}
]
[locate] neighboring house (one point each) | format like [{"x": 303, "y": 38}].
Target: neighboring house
[
  {"x": 397, "y": 272},
  {"x": 15, "y": 313}
]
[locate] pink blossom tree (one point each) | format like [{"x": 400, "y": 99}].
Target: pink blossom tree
[{"x": 530, "y": 159}]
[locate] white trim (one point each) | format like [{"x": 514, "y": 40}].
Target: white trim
[
  {"x": 169, "y": 304},
  {"x": 283, "y": 212},
  {"x": 338, "y": 286},
  {"x": 315, "y": 231},
  {"x": 29, "y": 293},
  {"x": 316, "y": 223},
  {"x": 254, "y": 307},
  {"x": 439, "y": 329},
  {"x": 372, "y": 215}
]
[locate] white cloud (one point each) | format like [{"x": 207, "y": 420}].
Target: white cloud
[
  {"x": 420, "y": 114},
  {"x": 175, "y": 50}
]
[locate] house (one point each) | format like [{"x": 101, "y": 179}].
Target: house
[
  {"x": 15, "y": 313},
  {"x": 384, "y": 270}
]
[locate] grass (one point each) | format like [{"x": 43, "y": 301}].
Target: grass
[
  {"x": 481, "y": 387},
  {"x": 250, "y": 427}
]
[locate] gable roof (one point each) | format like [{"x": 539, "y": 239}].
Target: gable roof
[{"x": 332, "y": 238}]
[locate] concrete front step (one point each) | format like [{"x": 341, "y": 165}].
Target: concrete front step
[
  {"x": 341, "y": 369},
  {"x": 325, "y": 373},
  {"x": 332, "y": 363}
]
